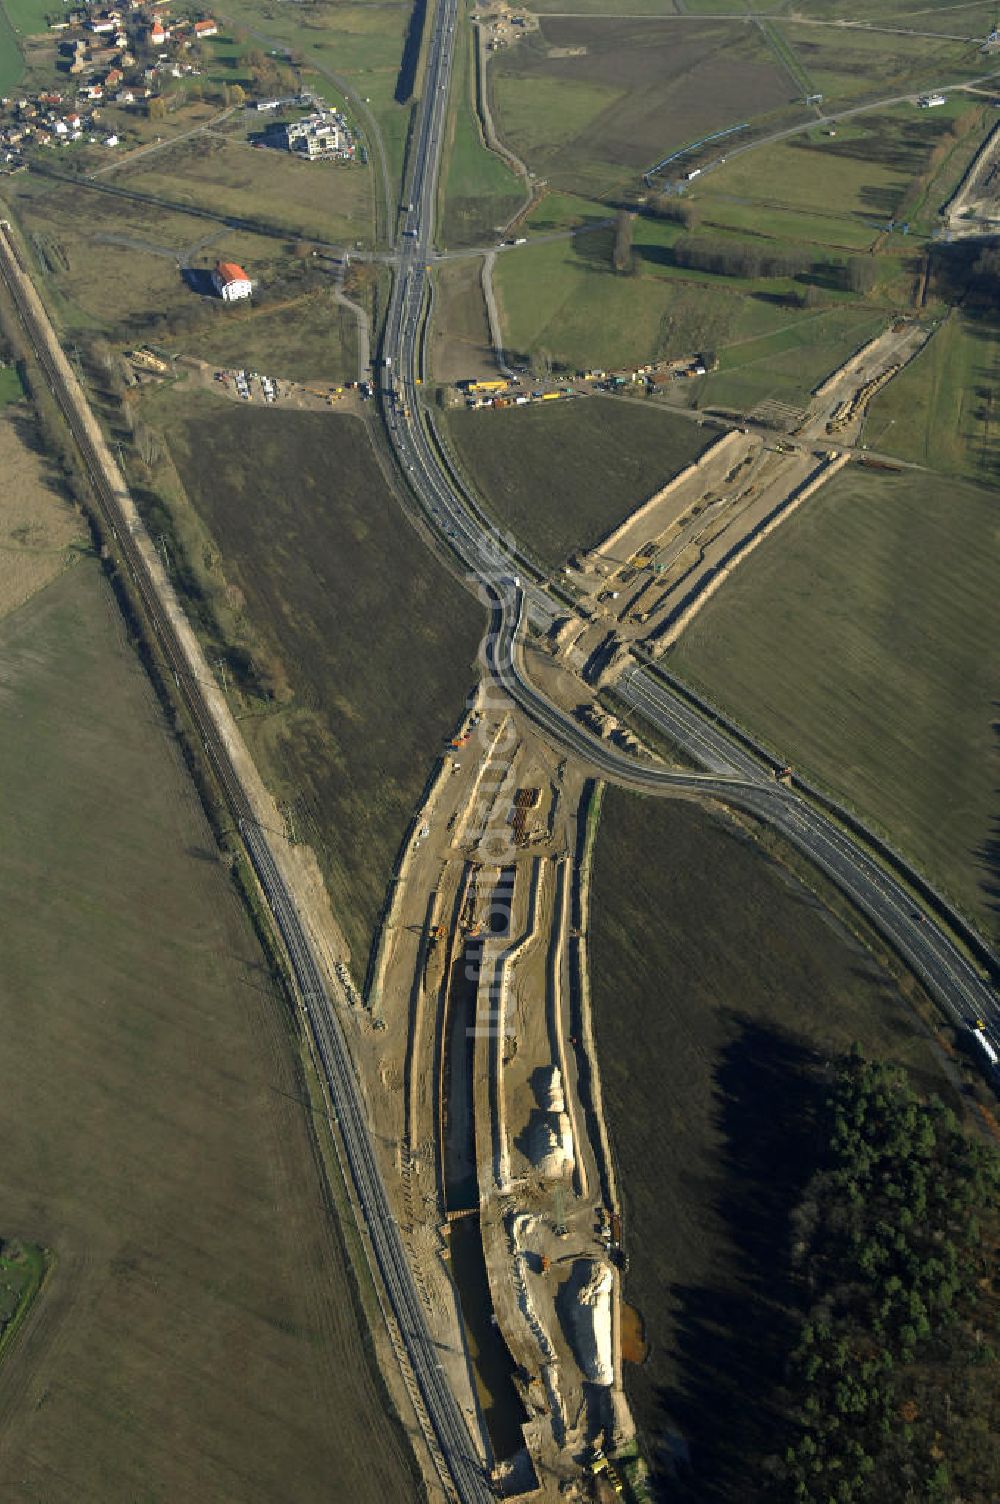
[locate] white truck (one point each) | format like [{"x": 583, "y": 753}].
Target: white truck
[{"x": 978, "y": 1032}]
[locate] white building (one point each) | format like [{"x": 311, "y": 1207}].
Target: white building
[{"x": 231, "y": 281}]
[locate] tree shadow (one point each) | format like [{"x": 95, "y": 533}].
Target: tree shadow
[
  {"x": 989, "y": 853},
  {"x": 732, "y": 1338}
]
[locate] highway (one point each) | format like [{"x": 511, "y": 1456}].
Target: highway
[{"x": 494, "y": 565}]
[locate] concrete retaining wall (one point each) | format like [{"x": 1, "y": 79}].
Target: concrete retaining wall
[
  {"x": 728, "y": 441},
  {"x": 671, "y": 633}
]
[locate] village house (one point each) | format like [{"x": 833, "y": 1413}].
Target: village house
[{"x": 231, "y": 281}]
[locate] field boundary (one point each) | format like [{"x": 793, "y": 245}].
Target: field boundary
[
  {"x": 944, "y": 909},
  {"x": 703, "y": 592},
  {"x": 487, "y": 128}
]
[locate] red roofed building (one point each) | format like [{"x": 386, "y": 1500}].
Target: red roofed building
[
  {"x": 231, "y": 281},
  {"x": 205, "y": 29}
]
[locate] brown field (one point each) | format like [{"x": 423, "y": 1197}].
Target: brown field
[
  {"x": 459, "y": 334},
  {"x": 720, "y": 987},
  {"x": 198, "y": 1339},
  {"x": 323, "y": 200},
  {"x": 40, "y": 533},
  {"x": 373, "y": 646},
  {"x": 637, "y": 90},
  {"x": 561, "y": 474},
  {"x": 864, "y": 646}
]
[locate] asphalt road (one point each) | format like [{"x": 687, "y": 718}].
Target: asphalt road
[{"x": 494, "y": 566}]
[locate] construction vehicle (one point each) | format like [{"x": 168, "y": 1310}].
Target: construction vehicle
[
  {"x": 978, "y": 1032},
  {"x": 601, "y": 1464},
  {"x": 486, "y": 386},
  {"x": 148, "y": 361}
]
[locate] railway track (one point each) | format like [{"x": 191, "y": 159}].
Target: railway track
[{"x": 449, "y": 1440}]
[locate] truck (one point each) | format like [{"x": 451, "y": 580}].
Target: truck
[{"x": 977, "y": 1031}]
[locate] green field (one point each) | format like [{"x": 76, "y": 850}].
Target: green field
[
  {"x": 11, "y": 61},
  {"x": 786, "y": 364},
  {"x": 481, "y": 193},
  {"x": 839, "y": 186},
  {"x": 862, "y": 643},
  {"x": 590, "y": 103},
  {"x": 197, "y": 1337},
  {"x": 310, "y": 338},
  {"x": 562, "y": 296},
  {"x": 371, "y": 648},
  {"x": 560, "y": 475},
  {"x": 23, "y": 1268},
  {"x": 814, "y": 174},
  {"x": 11, "y": 389},
  {"x": 720, "y": 989},
  {"x": 29, "y": 17},
  {"x": 940, "y": 410}
]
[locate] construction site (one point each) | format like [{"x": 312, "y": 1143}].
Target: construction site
[
  {"x": 645, "y": 580},
  {"x": 241, "y": 385},
  {"x": 490, "y": 1107},
  {"x": 488, "y": 1103},
  {"x": 974, "y": 208}
]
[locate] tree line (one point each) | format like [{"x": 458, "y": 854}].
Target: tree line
[
  {"x": 725, "y": 256},
  {"x": 892, "y": 1384}
]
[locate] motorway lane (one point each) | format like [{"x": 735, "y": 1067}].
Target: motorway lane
[{"x": 733, "y": 772}]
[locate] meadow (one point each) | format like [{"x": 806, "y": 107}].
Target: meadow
[
  {"x": 862, "y": 645},
  {"x": 480, "y": 192},
  {"x": 939, "y": 411},
  {"x": 459, "y": 343},
  {"x": 328, "y": 201},
  {"x": 198, "y": 1336},
  {"x": 112, "y": 266},
  {"x": 358, "y": 45}
]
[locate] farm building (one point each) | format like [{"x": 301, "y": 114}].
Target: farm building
[
  {"x": 207, "y": 28},
  {"x": 231, "y": 281}
]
